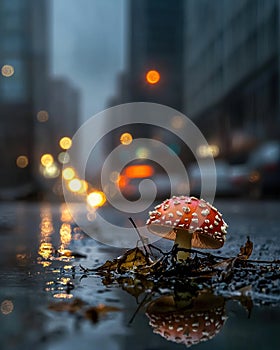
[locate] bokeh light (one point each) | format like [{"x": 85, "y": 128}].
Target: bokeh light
[
  {"x": 7, "y": 70},
  {"x": 142, "y": 152},
  {"x": 114, "y": 176},
  {"x": 65, "y": 142},
  {"x": 204, "y": 151},
  {"x": 7, "y": 307},
  {"x": 75, "y": 185},
  {"x": 63, "y": 157},
  {"x": 52, "y": 171},
  {"x": 68, "y": 173},
  {"x": 22, "y": 161},
  {"x": 177, "y": 122},
  {"x": 84, "y": 186},
  {"x": 153, "y": 76},
  {"x": 47, "y": 159},
  {"x": 126, "y": 138},
  {"x": 96, "y": 199},
  {"x": 42, "y": 116}
]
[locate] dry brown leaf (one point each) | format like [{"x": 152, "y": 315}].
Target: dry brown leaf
[
  {"x": 246, "y": 250},
  {"x": 129, "y": 261}
]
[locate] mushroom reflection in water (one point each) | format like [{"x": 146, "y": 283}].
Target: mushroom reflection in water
[{"x": 191, "y": 325}]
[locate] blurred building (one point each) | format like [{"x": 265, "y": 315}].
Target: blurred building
[
  {"x": 154, "y": 42},
  {"x": 61, "y": 116},
  {"x": 24, "y": 66},
  {"x": 232, "y": 69},
  {"x": 35, "y": 109},
  {"x": 60, "y": 120}
]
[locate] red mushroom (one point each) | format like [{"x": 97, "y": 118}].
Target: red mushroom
[
  {"x": 190, "y": 222},
  {"x": 187, "y": 326}
]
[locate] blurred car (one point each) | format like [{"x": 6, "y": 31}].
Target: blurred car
[
  {"x": 132, "y": 176},
  {"x": 264, "y": 166},
  {"x": 231, "y": 179},
  {"x": 223, "y": 186}
]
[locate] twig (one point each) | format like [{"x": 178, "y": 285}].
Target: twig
[
  {"x": 138, "y": 308},
  {"x": 141, "y": 238}
]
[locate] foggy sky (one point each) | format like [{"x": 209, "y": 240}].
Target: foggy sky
[{"x": 87, "y": 42}]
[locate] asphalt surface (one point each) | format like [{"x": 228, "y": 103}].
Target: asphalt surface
[{"x": 33, "y": 275}]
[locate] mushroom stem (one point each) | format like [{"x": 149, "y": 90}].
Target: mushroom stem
[{"x": 184, "y": 240}]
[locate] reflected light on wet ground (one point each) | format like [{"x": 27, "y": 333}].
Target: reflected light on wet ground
[{"x": 47, "y": 277}]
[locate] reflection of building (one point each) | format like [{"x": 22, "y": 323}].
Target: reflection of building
[
  {"x": 24, "y": 49},
  {"x": 155, "y": 41},
  {"x": 232, "y": 67}
]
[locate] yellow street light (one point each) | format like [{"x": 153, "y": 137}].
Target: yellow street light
[
  {"x": 47, "y": 159},
  {"x": 65, "y": 142}
]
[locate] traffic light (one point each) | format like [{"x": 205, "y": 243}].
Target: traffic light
[{"x": 153, "y": 77}]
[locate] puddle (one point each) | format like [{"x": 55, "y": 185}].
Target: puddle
[{"x": 43, "y": 264}]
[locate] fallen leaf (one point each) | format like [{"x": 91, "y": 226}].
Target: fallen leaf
[
  {"x": 129, "y": 261},
  {"x": 246, "y": 250}
]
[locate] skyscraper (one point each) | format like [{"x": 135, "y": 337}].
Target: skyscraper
[
  {"x": 232, "y": 67},
  {"x": 23, "y": 89},
  {"x": 155, "y": 41}
]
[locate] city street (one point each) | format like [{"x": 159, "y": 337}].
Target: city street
[{"x": 33, "y": 276}]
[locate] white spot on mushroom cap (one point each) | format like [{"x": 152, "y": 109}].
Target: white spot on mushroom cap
[
  {"x": 205, "y": 212},
  {"x": 186, "y": 209},
  {"x": 224, "y": 229}
]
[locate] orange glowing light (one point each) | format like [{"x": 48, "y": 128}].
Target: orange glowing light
[
  {"x": 68, "y": 173},
  {"x": 126, "y": 138},
  {"x": 22, "y": 161},
  {"x": 96, "y": 199},
  {"x": 138, "y": 171},
  {"x": 65, "y": 216},
  {"x": 122, "y": 181},
  {"x": 65, "y": 235},
  {"x": 65, "y": 142},
  {"x": 153, "y": 77},
  {"x": 47, "y": 159},
  {"x": 46, "y": 250}
]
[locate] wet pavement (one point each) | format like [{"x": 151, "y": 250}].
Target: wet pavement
[{"x": 36, "y": 271}]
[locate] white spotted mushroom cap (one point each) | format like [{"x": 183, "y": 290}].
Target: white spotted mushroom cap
[
  {"x": 193, "y": 215},
  {"x": 188, "y": 327}
]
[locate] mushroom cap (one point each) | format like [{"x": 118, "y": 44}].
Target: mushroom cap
[
  {"x": 194, "y": 215},
  {"x": 187, "y": 326}
]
